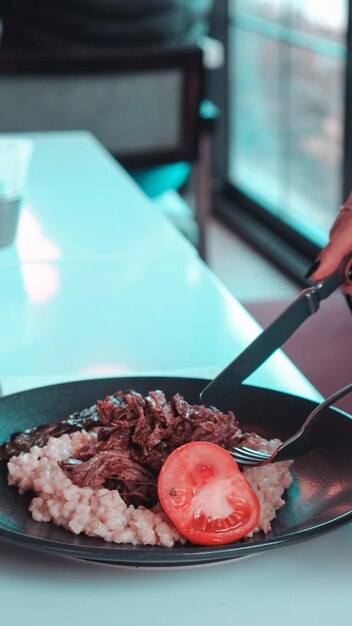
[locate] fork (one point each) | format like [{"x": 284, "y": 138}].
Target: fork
[{"x": 295, "y": 446}]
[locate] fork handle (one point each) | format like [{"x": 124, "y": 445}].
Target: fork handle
[{"x": 312, "y": 417}]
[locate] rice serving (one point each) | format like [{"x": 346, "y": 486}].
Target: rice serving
[{"x": 100, "y": 512}]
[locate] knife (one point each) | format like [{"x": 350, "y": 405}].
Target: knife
[{"x": 273, "y": 337}]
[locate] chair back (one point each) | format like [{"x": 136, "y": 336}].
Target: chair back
[{"x": 142, "y": 104}]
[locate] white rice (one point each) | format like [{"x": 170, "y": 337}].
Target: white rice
[
  {"x": 269, "y": 482},
  {"x": 101, "y": 512}
]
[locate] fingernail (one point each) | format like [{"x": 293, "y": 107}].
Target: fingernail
[
  {"x": 349, "y": 302},
  {"x": 312, "y": 268}
]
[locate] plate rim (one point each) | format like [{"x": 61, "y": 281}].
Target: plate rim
[{"x": 158, "y": 556}]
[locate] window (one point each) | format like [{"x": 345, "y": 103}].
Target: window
[{"x": 286, "y": 109}]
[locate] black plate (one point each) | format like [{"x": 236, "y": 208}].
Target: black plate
[{"x": 319, "y": 499}]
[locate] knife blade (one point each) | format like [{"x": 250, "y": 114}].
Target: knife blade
[{"x": 273, "y": 337}]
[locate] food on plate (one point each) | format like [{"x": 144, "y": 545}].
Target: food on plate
[
  {"x": 39, "y": 436},
  {"x": 135, "y": 436},
  {"x": 205, "y": 495},
  {"x": 96, "y": 471}
]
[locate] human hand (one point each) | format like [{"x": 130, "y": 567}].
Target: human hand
[{"x": 339, "y": 246}]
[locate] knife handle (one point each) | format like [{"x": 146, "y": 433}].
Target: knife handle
[
  {"x": 324, "y": 288},
  {"x": 349, "y": 302}
]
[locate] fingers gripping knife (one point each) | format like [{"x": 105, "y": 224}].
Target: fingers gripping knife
[{"x": 276, "y": 334}]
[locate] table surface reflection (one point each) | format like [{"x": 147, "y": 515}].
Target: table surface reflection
[{"x": 80, "y": 204}]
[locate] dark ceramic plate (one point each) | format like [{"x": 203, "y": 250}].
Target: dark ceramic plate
[{"x": 319, "y": 499}]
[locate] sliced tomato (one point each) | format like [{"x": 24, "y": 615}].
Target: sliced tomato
[{"x": 203, "y": 492}]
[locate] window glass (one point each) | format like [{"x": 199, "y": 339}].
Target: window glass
[
  {"x": 256, "y": 144},
  {"x": 314, "y": 137},
  {"x": 286, "y": 107}
]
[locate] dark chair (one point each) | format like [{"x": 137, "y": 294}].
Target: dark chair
[{"x": 145, "y": 105}]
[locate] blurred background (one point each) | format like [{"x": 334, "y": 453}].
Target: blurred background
[
  {"x": 273, "y": 81},
  {"x": 233, "y": 116}
]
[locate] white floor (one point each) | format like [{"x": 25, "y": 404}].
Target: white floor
[{"x": 247, "y": 274}]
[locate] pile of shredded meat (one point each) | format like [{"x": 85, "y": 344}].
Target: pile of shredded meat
[{"x": 135, "y": 436}]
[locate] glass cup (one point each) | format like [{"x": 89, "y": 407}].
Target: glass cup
[{"x": 15, "y": 156}]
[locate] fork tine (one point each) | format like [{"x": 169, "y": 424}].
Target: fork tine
[
  {"x": 248, "y": 453},
  {"x": 244, "y": 457},
  {"x": 245, "y": 462},
  {"x": 256, "y": 453},
  {"x": 247, "y": 456},
  {"x": 237, "y": 452}
]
